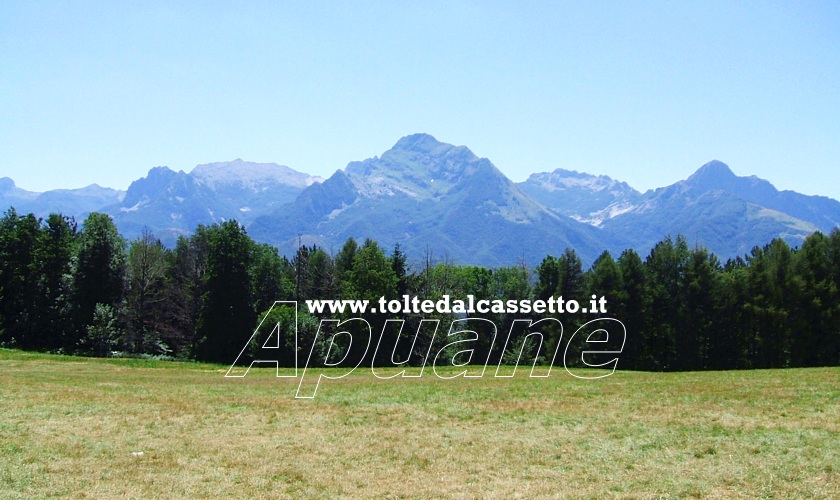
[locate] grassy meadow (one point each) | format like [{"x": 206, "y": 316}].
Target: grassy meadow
[{"x": 75, "y": 427}]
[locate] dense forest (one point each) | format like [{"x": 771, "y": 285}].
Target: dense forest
[{"x": 88, "y": 291}]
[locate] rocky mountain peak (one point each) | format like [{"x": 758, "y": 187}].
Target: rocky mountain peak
[
  {"x": 419, "y": 143},
  {"x": 250, "y": 175},
  {"x": 6, "y": 184},
  {"x": 712, "y": 173}
]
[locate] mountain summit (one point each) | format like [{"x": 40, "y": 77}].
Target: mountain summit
[
  {"x": 426, "y": 194},
  {"x": 76, "y": 202},
  {"x": 724, "y": 212},
  {"x": 7, "y": 185},
  {"x": 250, "y": 175},
  {"x": 712, "y": 171},
  {"x": 583, "y": 197},
  {"x": 421, "y": 143},
  {"x": 714, "y": 207},
  {"x": 172, "y": 203},
  {"x": 418, "y": 166},
  {"x": 717, "y": 175}
]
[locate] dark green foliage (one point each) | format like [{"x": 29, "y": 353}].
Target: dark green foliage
[
  {"x": 19, "y": 235},
  {"x": 270, "y": 276},
  {"x": 702, "y": 291},
  {"x": 227, "y": 318},
  {"x": 730, "y": 342},
  {"x": 82, "y": 292},
  {"x": 572, "y": 286},
  {"x": 371, "y": 276},
  {"x": 631, "y": 305},
  {"x": 187, "y": 271},
  {"x": 666, "y": 274},
  {"x": 103, "y": 333},
  {"x": 146, "y": 295},
  {"x": 314, "y": 274},
  {"x": 774, "y": 297},
  {"x": 605, "y": 277},
  {"x": 345, "y": 257},
  {"x": 815, "y": 337},
  {"x": 548, "y": 277},
  {"x": 320, "y": 279},
  {"x": 100, "y": 270},
  {"x": 54, "y": 259},
  {"x": 509, "y": 283},
  {"x": 277, "y": 328},
  {"x": 399, "y": 264}
]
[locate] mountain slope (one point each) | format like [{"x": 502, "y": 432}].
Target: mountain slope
[
  {"x": 76, "y": 202},
  {"x": 426, "y": 194},
  {"x": 168, "y": 203},
  {"x": 172, "y": 203},
  {"x": 252, "y": 187},
  {"x": 723, "y": 212},
  {"x": 584, "y": 197},
  {"x": 821, "y": 211}
]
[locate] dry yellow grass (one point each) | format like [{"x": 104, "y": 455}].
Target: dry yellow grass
[{"x": 68, "y": 427}]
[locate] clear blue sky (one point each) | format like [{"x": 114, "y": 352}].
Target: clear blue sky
[{"x": 644, "y": 92}]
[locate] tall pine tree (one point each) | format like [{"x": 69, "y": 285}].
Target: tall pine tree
[{"x": 227, "y": 317}]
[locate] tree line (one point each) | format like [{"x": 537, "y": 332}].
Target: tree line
[{"x": 86, "y": 290}]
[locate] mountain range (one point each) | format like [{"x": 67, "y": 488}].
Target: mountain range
[{"x": 433, "y": 197}]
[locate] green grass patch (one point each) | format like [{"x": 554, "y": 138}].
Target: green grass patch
[{"x": 74, "y": 427}]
